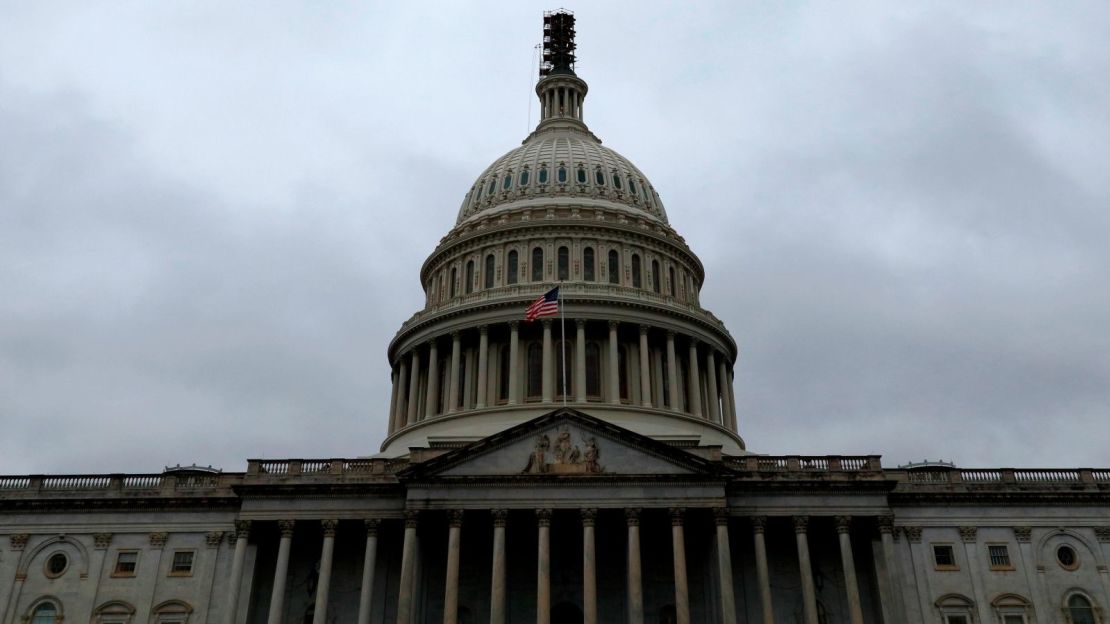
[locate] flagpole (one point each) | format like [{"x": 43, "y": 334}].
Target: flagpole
[{"x": 563, "y": 339}]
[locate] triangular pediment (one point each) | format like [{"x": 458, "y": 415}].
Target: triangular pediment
[{"x": 561, "y": 444}]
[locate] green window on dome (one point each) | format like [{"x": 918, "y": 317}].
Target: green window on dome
[
  {"x": 631, "y": 186},
  {"x": 581, "y": 175},
  {"x": 492, "y": 186},
  {"x": 542, "y": 176},
  {"x": 508, "y": 181},
  {"x": 524, "y": 178},
  {"x": 599, "y": 177},
  {"x": 562, "y": 175},
  {"x": 478, "y": 194},
  {"x": 617, "y": 181}
]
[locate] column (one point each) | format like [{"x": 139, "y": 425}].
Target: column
[
  {"x": 408, "y": 565},
  {"x": 514, "y": 360},
  {"x": 483, "y": 365},
  {"x": 843, "y": 528},
  {"x": 732, "y": 403},
  {"x": 763, "y": 576},
  {"x": 693, "y": 380},
  {"x": 580, "y": 360},
  {"x": 672, "y": 373},
  {"x": 431, "y": 401},
  {"x": 368, "y": 562},
  {"x": 453, "y": 387},
  {"x": 614, "y": 365},
  {"x": 242, "y": 533},
  {"x": 543, "y": 566},
  {"x": 724, "y": 566},
  {"x": 645, "y": 371},
  {"x": 635, "y": 582},
  {"x": 809, "y": 593},
  {"x": 414, "y": 386},
  {"x": 892, "y": 604},
  {"x": 281, "y": 572},
  {"x": 723, "y": 384},
  {"x": 589, "y": 568},
  {"x": 451, "y": 593},
  {"x": 681, "y": 591},
  {"x": 393, "y": 399},
  {"x": 402, "y": 396},
  {"x": 497, "y": 583},
  {"x": 548, "y": 375},
  {"x": 713, "y": 409},
  {"x": 323, "y": 583},
  {"x": 468, "y": 377}
]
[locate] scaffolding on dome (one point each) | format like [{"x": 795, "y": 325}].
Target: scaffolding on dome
[{"x": 558, "y": 43}]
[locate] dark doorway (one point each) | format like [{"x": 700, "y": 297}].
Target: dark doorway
[{"x": 566, "y": 613}]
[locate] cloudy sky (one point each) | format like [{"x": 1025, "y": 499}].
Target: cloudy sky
[{"x": 212, "y": 214}]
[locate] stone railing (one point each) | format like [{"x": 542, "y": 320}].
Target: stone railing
[
  {"x": 1004, "y": 476},
  {"x": 121, "y": 484},
  {"x": 806, "y": 463},
  {"x": 261, "y": 469}
]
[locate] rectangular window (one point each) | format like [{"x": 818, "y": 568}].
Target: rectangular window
[
  {"x": 126, "y": 562},
  {"x": 944, "y": 557},
  {"x": 1013, "y": 619},
  {"x": 1000, "y": 557},
  {"x": 182, "y": 563},
  {"x": 955, "y": 619}
]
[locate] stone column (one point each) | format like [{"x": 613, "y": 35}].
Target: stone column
[
  {"x": 543, "y": 566},
  {"x": 693, "y": 380},
  {"x": 368, "y": 562},
  {"x": 548, "y": 375},
  {"x": 483, "y": 365},
  {"x": 890, "y": 562},
  {"x": 724, "y": 566},
  {"x": 678, "y": 546},
  {"x": 809, "y": 593},
  {"x": 242, "y": 533},
  {"x": 456, "y": 360},
  {"x": 645, "y": 371},
  {"x": 497, "y": 583},
  {"x": 589, "y": 568},
  {"x": 614, "y": 365},
  {"x": 580, "y": 360},
  {"x": 672, "y": 373},
  {"x": 723, "y": 384},
  {"x": 402, "y": 397},
  {"x": 414, "y": 386},
  {"x": 408, "y": 567},
  {"x": 451, "y": 592},
  {"x": 732, "y": 403},
  {"x": 281, "y": 573},
  {"x": 431, "y": 401},
  {"x": 713, "y": 410},
  {"x": 393, "y": 399},
  {"x": 762, "y": 573},
  {"x": 514, "y": 361},
  {"x": 843, "y": 528},
  {"x": 323, "y": 583},
  {"x": 635, "y": 581}
]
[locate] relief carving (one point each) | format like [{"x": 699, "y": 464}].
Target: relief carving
[{"x": 564, "y": 457}]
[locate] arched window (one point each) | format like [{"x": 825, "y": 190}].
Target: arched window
[
  {"x": 114, "y": 611},
  {"x": 655, "y": 276},
  {"x": 478, "y": 193},
  {"x": 492, "y": 185},
  {"x": 614, "y": 267},
  {"x": 637, "y": 278},
  {"x": 562, "y": 175},
  {"x": 599, "y": 177},
  {"x": 617, "y": 181},
  {"x": 581, "y": 174},
  {"x": 172, "y": 612},
  {"x": 454, "y": 279},
  {"x": 524, "y": 177},
  {"x": 507, "y": 182},
  {"x": 489, "y": 271},
  {"x": 955, "y": 609},
  {"x": 1080, "y": 610},
  {"x": 45, "y": 613},
  {"x": 535, "y": 370},
  {"x": 593, "y": 370},
  {"x": 541, "y": 177},
  {"x": 513, "y": 268},
  {"x": 537, "y": 264},
  {"x": 588, "y": 264},
  {"x": 564, "y": 264},
  {"x": 670, "y": 281},
  {"x": 631, "y": 186},
  {"x": 503, "y": 374},
  {"x": 1012, "y": 609},
  {"x": 469, "y": 288}
]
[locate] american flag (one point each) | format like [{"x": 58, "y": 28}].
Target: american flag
[{"x": 547, "y": 305}]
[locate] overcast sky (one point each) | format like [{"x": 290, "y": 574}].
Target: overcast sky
[{"x": 213, "y": 214}]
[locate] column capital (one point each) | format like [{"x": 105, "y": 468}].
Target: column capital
[
  {"x": 213, "y": 539},
  {"x": 886, "y": 523},
  {"x": 286, "y": 527},
  {"x": 514, "y": 325},
  {"x": 456, "y": 335},
  {"x": 589, "y": 516},
  {"x": 969, "y": 534},
  {"x": 580, "y": 323},
  {"x": 677, "y": 514},
  {"x": 632, "y": 516},
  {"x": 843, "y": 524},
  {"x": 694, "y": 342},
  {"x": 1024, "y": 535},
  {"x": 18, "y": 541},
  {"x": 759, "y": 523},
  {"x": 801, "y": 524},
  {"x": 613, "y": 324},
  {"x": 500, "y": 517},
  {"x": 101, "y": 541},
  {"x": 670, "y": 334},
  {"x": 372, "y": 525},
  {"x": 1102, "y": 534},
  {"x": 158, "y": 539},
  {"x": 721, "y": 515},
  {"x": 455, "y": 518},
  {"x": 546, "y": 323},
  {"x": 543, "y": 517},
  {"x": 644, "y": 329},
  {"x": 913, "y": 534},
  {"x": 329, "y": 525},
  {"x": 412, "y": 518},
  {"x": 483, "y": 330},
  {"x": 431, "y": 342}
]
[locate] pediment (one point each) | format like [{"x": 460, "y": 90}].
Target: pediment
[{"x": 561, "y": 444}]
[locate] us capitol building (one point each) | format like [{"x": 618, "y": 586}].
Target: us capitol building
[{"x": 516, "y": 484}]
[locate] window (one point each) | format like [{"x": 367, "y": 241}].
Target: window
[
  {"x": 944, "y": 557},
  {"x": 599, "y": 177},
  {"x": 45, "y": 613},
  {"x": 478, "y": 193},
  {"x": 955, "y": 609},
  {"x": 462, "y": 382},
  {"x": 454, "y": 278},
  {"x": 492, "y": 185},
  {"x": 1080, "y": 610},
  {"x": 114, "y": 612},
  {"x": 670, "y": 281},
  {"x": 617, "y": 181},
  {"x": 564, "y": 264},
  {"x": 955, "y": 619},
  {"x": 593, "y": 370},
  {"x": 588, "y": 264},
  {"x": 1000, "y": 557},
  {"x": 513, "y": 269},
  {"x": 172, "y": 612},
  {"x": 1066, "y": 557},
  {"x": 489, "y": 271},
  {"x": 637, "y": 278},
  {"x": 537, "y": 264},
  {"x": 507, "y": 182},
  {"x": 541, "y": 177},
  {"x": 535, "y": 370},
  {"x": 581, "y": 175},
  {"x": 1012, "y": 609},
  {"x": 614, "y": 267},
  {"x": 469, "y": 287},
  {"x": 562, "y": 175},
  {"x": 126, "y": 562},
  {"x": 631, "y": 186},
  {"x": 56, "y": 565},
  {"x": 1013, "y": 619},
  {"x": 503, "y": 375},
  {"x": 524, "y": 178},
  {"x": 655, "y": 277},
  {"x": 182, "y": 563}
]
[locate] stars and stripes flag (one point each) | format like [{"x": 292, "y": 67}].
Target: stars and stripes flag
[{"x": 546, "y": 305}]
